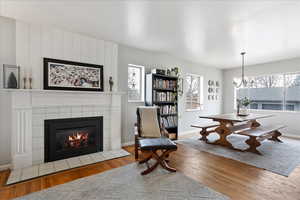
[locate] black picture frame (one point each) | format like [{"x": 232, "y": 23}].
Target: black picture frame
[{"x": 79, "y": 64}]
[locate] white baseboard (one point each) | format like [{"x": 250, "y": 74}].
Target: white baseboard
[
  {"x": 5, "y": 167},
  {"x": 187, "y": 132},
  {"x": 291, "y": 136},
  {"x": 127, "y": 143}
]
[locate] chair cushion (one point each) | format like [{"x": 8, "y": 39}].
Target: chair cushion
[
  {"x": 149, "y": 123},
  {"x": 157, "y": 143}
]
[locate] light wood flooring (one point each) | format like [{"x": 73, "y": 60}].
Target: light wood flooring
[{"x": 234, "y": 179}]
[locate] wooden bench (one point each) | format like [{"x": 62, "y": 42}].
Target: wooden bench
[
  {"x": 204, "y": 132},
  {"x": 258, "y": 134}
]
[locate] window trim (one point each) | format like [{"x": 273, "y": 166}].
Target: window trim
[
  {"x": 201, "y": 96},
  {"x": 284, "y": 94},
  {"x": 142, "y": 83}
]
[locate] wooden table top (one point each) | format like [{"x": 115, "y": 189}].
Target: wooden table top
[{"x": 235, "y": 118}]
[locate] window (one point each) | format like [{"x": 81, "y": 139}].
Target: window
[
  {"x": 272, "y": 92},
  {"x": 136, "y": 75},
  {"x": 194, "y": 94}
]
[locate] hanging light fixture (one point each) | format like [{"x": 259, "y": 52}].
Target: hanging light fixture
[{"x": 243, "y": 82}]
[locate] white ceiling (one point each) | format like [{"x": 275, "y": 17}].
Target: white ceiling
[{"x": 208, "y": 32}]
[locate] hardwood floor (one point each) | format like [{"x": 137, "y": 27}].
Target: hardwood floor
[{"x": 234, "y": 179}]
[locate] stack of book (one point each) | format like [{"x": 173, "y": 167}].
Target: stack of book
[
  {"x": 163, "y": 96},
  {"x": 168, "y": 109},
  {"x": 170, "y": 121},
  {"x": 165, "y": 84}
]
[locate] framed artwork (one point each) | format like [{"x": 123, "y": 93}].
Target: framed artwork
[
  {"x": 69, "y": 75},
  {"x": 11, "y": 76}
]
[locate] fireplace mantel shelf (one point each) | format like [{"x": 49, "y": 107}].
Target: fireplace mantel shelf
[{"x": 60, "y": 91}]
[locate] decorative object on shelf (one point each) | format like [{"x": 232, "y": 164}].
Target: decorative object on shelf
[
  {"x": 242, "y": 106},
  {"x": 24, "y": 82},
  {"x": 30, "y": 82},
  {"x": 111, "y": 84},
  {"x": 168, "y": 72},
  {"x": 244, "y": 82},
  {"x": 11, "y": 76},
  {"x": 69, "y": 75},
  {"x": 158, "y": 71}
]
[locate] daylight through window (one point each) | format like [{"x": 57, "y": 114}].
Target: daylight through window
[
  {"x": 272, "y": 92},
  {"x": 194, "y": 94},
  {"x": 135, "y": 82}
]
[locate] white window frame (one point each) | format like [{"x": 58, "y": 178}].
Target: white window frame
[
  {"x": 284, "y": 94},
  {"x": 142, "y": 82},
  {"x": 201, "y": 99}
]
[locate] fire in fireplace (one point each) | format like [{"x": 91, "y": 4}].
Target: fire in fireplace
[
  {"x": 66, "y": 138},
  {"x": 77, "y": 140}
]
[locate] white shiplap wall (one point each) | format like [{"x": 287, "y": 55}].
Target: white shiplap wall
[{"x": 34, "y": 42}]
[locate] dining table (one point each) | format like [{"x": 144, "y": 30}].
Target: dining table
[{"x": 230, "y": 123}]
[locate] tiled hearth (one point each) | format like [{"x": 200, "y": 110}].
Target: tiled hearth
[{"x": 43, "y": 169}]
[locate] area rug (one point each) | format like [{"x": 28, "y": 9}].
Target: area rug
[
  {"x": 279, "y": 158},
  {"x": 126, "y": 183}
]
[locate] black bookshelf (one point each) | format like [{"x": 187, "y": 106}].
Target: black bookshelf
[{"x": 161, "y": 91}]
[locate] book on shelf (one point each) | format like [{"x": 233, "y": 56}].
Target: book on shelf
[
  {"x": 164, "y": 96},
  {"x": 168, "y": 109},
  {"x": 170, "y": 121},
  {"x": 165, "y": 84}
]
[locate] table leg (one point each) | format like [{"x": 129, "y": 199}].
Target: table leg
[
  {"x": 223, "y": 132},
  {"x": 275, "y": 136},
  {"x": 204, "y": 135},
  {"x": 255, "y": 124}
]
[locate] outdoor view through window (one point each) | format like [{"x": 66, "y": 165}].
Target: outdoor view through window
[
  {"x": 272, "y": 92},
  {"x": 194, "y": 96},
  {"x": 135, "y": 82}
]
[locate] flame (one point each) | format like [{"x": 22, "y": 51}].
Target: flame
[{"x": 78, "y": 139}]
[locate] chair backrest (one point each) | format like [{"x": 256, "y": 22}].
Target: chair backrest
[{"x": 148, "y": 122}]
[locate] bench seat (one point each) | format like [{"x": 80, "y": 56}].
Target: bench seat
[
  {"x": 204, "y": 132},
  {"x": 205, "y": 126},
  {"x": 261, "y": 131},
  {"x": 258, "y": 134}
]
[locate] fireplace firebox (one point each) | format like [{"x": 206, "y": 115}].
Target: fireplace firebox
[{"x": 65, "y": 138}]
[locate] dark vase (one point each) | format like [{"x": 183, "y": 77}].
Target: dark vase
[{"x": 12, "y": 81}]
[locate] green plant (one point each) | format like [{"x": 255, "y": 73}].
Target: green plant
[{"x": 244, "y": 101}]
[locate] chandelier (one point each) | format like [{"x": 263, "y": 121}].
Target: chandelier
[{"x": 243, "y": 82}]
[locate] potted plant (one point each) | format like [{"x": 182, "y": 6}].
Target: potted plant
[{"x": 242, "y": 106}]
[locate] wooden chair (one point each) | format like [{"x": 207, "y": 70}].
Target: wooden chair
[
  {"x": 151, "y": 138},
  {"x": 160, "y": 131}
]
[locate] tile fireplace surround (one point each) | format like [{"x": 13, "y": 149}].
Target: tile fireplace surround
[{"x": 29, "y": 109}]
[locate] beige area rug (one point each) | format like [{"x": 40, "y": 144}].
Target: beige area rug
[
  {"x": 126, "y": 183},
  {"x": 279, "y": 158}
]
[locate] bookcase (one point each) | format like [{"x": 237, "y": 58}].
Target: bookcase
[{"x": 161, "y": 91}]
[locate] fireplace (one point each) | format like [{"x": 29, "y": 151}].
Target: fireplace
[{"x": 65, "y": 138}]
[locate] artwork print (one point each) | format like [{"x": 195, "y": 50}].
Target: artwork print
[{"x": 69, "y": 75}]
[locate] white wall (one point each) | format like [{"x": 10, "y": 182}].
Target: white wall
[
  {"x": 26, "y": 44},
  {"x": 128, "y": 55},
  {"x": 7, "y": 56},
  {"x": 291, "y": 119},
  {"x": 34, "y": 42}
]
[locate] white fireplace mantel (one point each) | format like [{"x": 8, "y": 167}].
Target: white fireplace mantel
[{"x": 29, "y": 108}]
